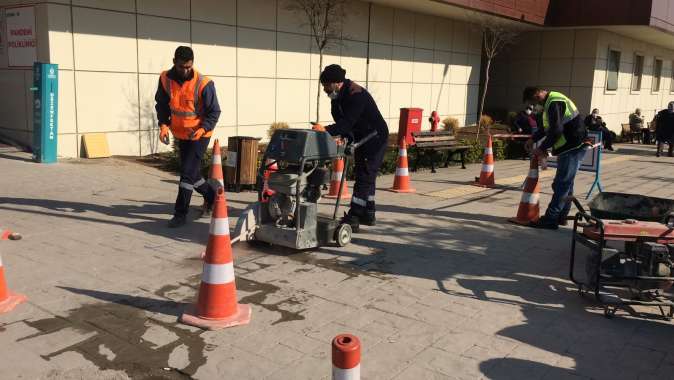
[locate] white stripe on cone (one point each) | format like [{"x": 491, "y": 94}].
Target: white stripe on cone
[
  {"x": 488, "y": 151},
  {"x": 346, "y": 374},
  {"x": 487, "y": 168},
  {"x": 217, "y": 159},
  {"x": 402, "y": 152},
  {"x": 218, "y": 274},
  {"x": 219, "y": 226},
  {"x": 530, "y": 198},
  {"x": 533, "y": 173},
  {"x": 0, "y": 261},
  {"x": 402, "y": 172},
  {"x": 336, "y": 176}
]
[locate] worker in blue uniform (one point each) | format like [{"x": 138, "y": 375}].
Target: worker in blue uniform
[{"x": 356, "y": 116}]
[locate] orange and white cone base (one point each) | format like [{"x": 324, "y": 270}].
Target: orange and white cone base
[
  {"x": 8, "y": 299},
  {"x": 336, "y": 179},
  {"x": 346, "y": 357},
  {"x": 217, "y": 307},
  {"x": 486, "y": 178},
  {"x": 529, "y": 208},
  {"x": 216, "y": 178},
  {"x": 402, "y": 182}
]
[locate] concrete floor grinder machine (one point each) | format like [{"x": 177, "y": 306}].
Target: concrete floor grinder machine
[{"x": 289, "y": 216}]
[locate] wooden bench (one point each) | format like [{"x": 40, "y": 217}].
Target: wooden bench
[
  {"x": 628, "y": 133},
  {"x": 436, "y": 142}
]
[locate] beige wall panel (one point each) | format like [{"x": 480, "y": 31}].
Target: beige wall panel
[
  {"x": 556, "y": 72},
  {"x": 457, "y": 99},
  {"x": 582, "y": 97},
  {"x": 28, "y": 98},
  {"x": 165, "y": 8},
  {"x": 382, "y": 25},
  {"x": 459, "y": 69},
  {"x": 104, "y": 40},
  {"x": 292, "y": 21},
  {"x": 124, "y": 143},
  {"x": 150, "y": 144},
  {"x": 402, "y": 66},
  {"x": 356, "y": 21},
  {"x": 218, "y": 11},
  {"x": 460, "y": 37},
  {"x": 440, "y": 98},
  {"x": 66, "y": 146},
  {"x": 401, "y": 97},
  {"x": 326, "y": 116},
  {"x": 226, "y": 87},
  {"x": 558, "y": 44},
  {"x": 403, "y": 28},
  {"x": 472, "y": 99},
  {"x": 583, "y": 72},
  {"x": 421, "y": 97},
  {"x": 474, "y": 40},
  {"x": 441, "y": 66},
  {"x": 148, "y": 84},
  {"x": 117, "y": 5},
  {"x": 423, "y": 66},
  {"x": 444, "y": 29},
  {"x": 107, "y": 102},
  {"x": 222, "y": 134},
  {"x": 66, "y": 112},
  {"x": 60, "y": 36},
  {"x": 255, "y": 101},
  {"x": 257, "y": 53},
  {"x": 528, "y": 46},
  {"x": 381, "y": 92},
  {"x": 214, "y": 48},
  {"x": 14, "y": 82},
  {"x": 380, "y": 62},
  {"x": 293, "y": 57},
  {"x": 331, "y": 55},
  {"x": 259, "y": 130},
  {"x": 354, "y": 60},
  {"x": 257, "y": 13},
  {"x": 292, "y": 100},
  {"x": 158, "y": 39},
  {"x": 424, "y": 33}
]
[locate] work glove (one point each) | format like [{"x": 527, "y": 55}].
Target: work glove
[
  {"x": 317, "y": 127},
  {"x": 164, "y": 134},
  {"x": 197, "y": 134}
]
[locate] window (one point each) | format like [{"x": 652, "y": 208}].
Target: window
[
  {"x": 657, "y": 74},
  {"x": 613, "y": 70},
  {"x": 638, "y": 71}
]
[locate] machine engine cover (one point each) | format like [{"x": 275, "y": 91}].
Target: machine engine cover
[{"x": 294, "y": 145}]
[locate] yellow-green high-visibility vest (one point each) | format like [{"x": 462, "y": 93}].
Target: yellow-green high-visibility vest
[{"x": 570, "y": 112}]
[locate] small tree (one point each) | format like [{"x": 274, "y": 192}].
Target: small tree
[
  {"x": 496, "y": 35},
  {"x": 325, "y": 19}
]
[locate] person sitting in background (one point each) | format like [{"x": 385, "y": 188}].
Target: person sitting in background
[
  {"x": 595, "y": 123},
  {"x": 525, "y": 122},
  {"x": 664, "y": 129},
  {"x": 637, "y": 126}
]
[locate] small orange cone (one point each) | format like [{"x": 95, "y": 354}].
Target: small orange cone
[
  {"x": 486, "y": 178},
  {"x": 216, "y": 307},
  {"x": 336, "y": 179},
  {"x": 8, "y": 299},
  {"x": 401, "y": 182},
  {"x": 529, "y": 209},
  {"x": 266, "y": 191},
  {"x": 216, "y": 179},
  {"x": 9, "y": 235}
]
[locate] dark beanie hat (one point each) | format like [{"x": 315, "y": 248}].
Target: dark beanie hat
[{"x": 333, "y": 74}]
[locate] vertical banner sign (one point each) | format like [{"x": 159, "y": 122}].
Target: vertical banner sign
[
  {"x": 21, "y": 37},
  {"x": 45, "y": 112}
]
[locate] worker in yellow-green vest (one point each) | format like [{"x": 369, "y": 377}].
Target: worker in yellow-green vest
[{"x": 564, "y": 133}]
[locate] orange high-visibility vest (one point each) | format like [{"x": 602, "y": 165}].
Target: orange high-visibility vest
[{"x": 185, "y": 104}]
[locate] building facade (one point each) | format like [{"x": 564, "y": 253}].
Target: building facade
[{"x": 262, "y": 58}]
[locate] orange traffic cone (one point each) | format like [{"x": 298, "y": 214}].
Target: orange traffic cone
[
  {"x": 486, "y": 178},
  {"x": 401, "y": 182},
  {"x": 266, "y": 191},
  {"x": 9, "y": 235},
  {"x": 336, "y": 179},
  {"x": 216, "y": 307},
  {"x": 8, "y": 299},
  {"x": 216, "y": 179},
  {"x": 529, "y": 209}
]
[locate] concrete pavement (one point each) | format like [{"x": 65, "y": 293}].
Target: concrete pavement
[{"x": 442, "y": 288}]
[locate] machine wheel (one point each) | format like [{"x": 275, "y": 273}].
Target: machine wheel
[
  {"x": 609, "y": 312},
  {"x": 343, "y": 235}
]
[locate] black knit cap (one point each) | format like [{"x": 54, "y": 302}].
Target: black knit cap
[{"x": 333, "y": 74}]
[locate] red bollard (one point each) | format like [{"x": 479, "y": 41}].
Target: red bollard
[{"x": 346, "y": 357}]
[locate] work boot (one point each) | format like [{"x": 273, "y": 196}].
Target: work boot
[
  {"x": 351, "y": 220},
  {"x": 206, "y": 210},
  {"x": 658, "y": 150},
  {"x": 545, "y": 224},
  {"x": 177, "y": 221},
  {"x": 368, "y": 219}
]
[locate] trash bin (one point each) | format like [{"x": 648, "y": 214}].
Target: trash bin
[{"x": 241, "y": 164}]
